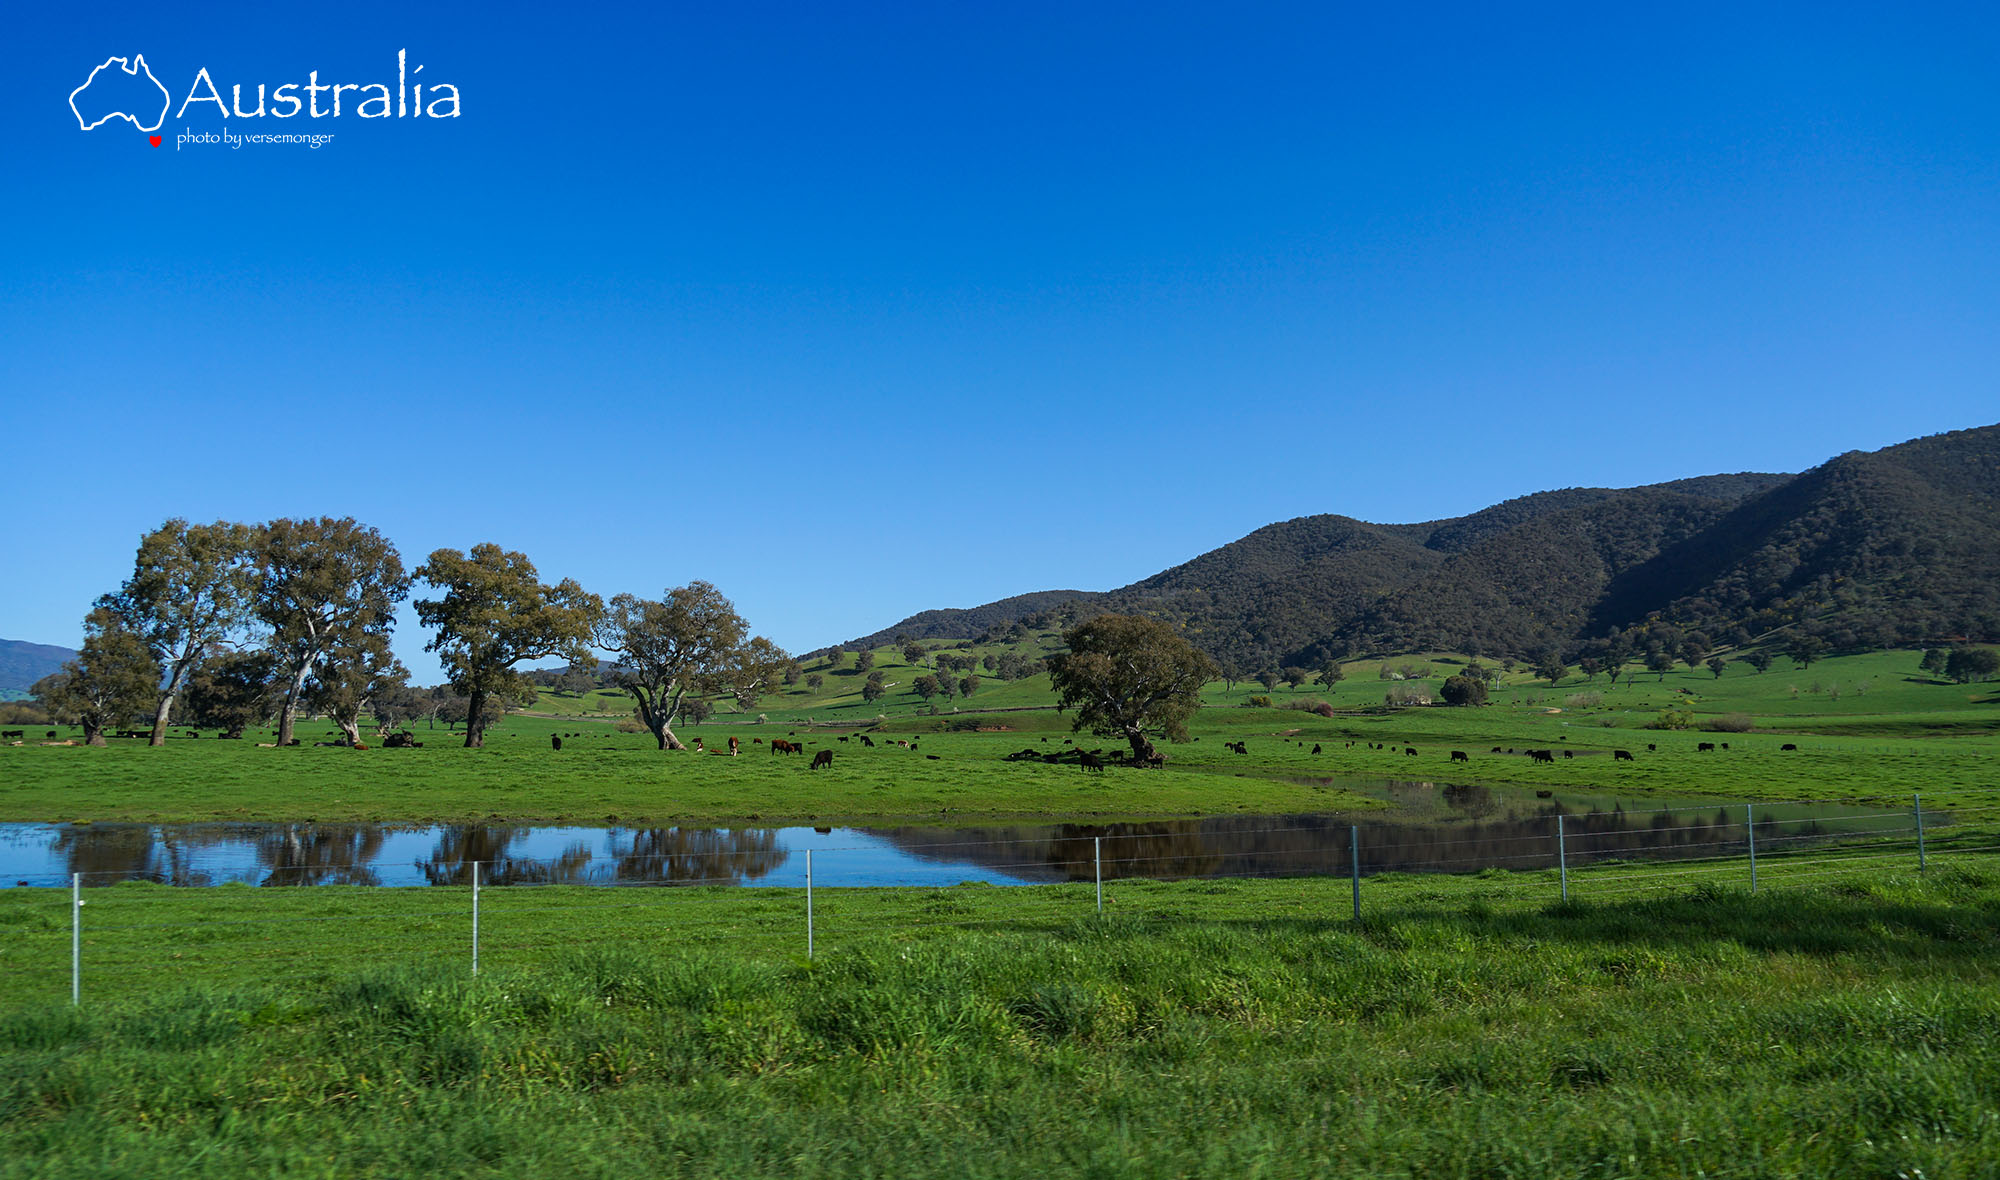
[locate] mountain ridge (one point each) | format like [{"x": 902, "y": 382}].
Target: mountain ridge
[{"x": 1869, "y": 548}]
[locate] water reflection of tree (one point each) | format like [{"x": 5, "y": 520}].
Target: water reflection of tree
[
  {"x": 663, "y": 855},
  {"x": 135, "y": 852},
  {"x": 1166, "y": 851},
  {"x": 1467, "y": 834},
  {"x": 320, "y": 854},
  {"x": 491, "y": 847}
]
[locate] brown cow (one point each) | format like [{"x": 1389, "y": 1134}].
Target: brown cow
[{"x": 733, "y": 743}]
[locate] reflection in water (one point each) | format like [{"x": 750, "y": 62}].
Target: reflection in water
[
  {"x": 718, "y": 856},
  {"x": 321, "y": 854},
  {"x": 1435, "y": 828},
  {"x": 1478, "y": 831},
  {"x": 647, "y": 856}
]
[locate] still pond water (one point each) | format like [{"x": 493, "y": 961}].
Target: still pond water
[{"x": 1429, "y": 828}]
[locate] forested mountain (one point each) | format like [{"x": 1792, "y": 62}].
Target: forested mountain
[
  {"x": 1866, "y": 550},
  {"x": 21, "y": 664},
  {"x": 959, "y": 624}
]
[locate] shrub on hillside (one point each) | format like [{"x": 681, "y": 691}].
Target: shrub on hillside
[
  {"x": 1257, "y": 703},
  {"x": 1585, "y": 700},
  {"x": 1309, "y": 705},
  {"x": 629, "y": 725},
  {"x": 1730, "y": 723}
]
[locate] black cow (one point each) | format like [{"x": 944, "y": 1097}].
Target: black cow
[
  {"x": 1410, "y": 750},
  {"x": 1569, "y": 753},
  {"x": 1704, "y": 747},
  {"x": 1459, "y": 756},
  {"x": 1315, "y": 747},
  {"x": 1547, "y": 756},
  {"x": 1788, "y": 746},
  {"x": 1089, "y": 761},
  {"x": 823, "y": 758},
  {"x": 555, "y": 739},
  {"x": 870, "y": 742},
  {"x": 1621, "y": 755}
]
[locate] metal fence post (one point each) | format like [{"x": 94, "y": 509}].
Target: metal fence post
[
  {"x": 1919, "y": 801},
  {"x": 809, "y": 905},
  {"x": 1562, "y": 856},
  {"x": 475, "y": 919},
  {"x": 1354, "y": 864},
  {"x": 1750, "y": 824},
  {"x": 1097, "y": 855},
  {"x": 75, "y": 938}
]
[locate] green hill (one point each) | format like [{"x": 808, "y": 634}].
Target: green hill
[{"x": 1867, "y": 550}]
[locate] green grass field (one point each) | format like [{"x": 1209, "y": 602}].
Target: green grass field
[
  {"x": 1471, "y": 1027},
  {"x": 1841, "y": 1021},
  {"x": 1897, "y": 739}
]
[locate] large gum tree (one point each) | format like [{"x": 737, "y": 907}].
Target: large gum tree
[
  {"x": 692, "y": 641},
  {"x": 1130, "y": 677},
  {"x": 493, "y": 612},
  {"x": 191, "y": 586},
  {"x": 328, "y": 591}
]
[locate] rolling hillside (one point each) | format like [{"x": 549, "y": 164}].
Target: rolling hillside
[{"x": 1868, "y": 549}]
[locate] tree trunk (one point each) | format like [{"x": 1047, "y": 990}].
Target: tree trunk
[
  {"x": 660, "y": 719},
  {"x": 475, "y": 720},
  {"x": 93, "y": 735},
  {"x": 289, "y": 714},
  {"x": 351, "y": 726},
  {"x": 160, "y": 717},
  {"x": 1142, "y": 746}
]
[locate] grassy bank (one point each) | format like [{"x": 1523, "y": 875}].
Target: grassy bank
[{"x": 1465, "y": 1027}]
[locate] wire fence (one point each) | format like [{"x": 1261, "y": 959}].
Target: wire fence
[{"x": 122, "y": 941}]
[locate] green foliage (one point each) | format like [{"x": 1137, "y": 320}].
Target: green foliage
[
  {"x": 1680, "y": 718},
  {"x": 493, "y": 613},
  {"x": 1257, "y": 702},
  {"x": 113, "y": 681},
  {"x": 1730, "y": 723},
  {"x": 1463, "y": 690},
  {"x": 1966, "y": 664},
  {"x": 1130, "y": 677}
]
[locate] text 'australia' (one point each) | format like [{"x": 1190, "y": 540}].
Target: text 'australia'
[{"x": 370, "y": 100}]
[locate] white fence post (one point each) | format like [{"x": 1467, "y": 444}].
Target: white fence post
[
  {"x": 75, "y": 938},
  {"x": 475, "y": 919},
  {"x": 809, "y": 905},
  {"x": 1750, "y": 824},
  {"x": 1097, "y": 855},
  {"x": 1919, "y": 801},
  {"x": 1354, "y": 864},
  {"x": 1562, "y": 856}
]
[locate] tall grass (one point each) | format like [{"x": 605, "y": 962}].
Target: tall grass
[{"x": 1839, "y": 1031}]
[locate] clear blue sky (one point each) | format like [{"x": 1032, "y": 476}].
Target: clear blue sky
[{"x": 859, "y": 310}]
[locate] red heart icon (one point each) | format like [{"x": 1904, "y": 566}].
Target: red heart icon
[{"x": 155, "y": 141}]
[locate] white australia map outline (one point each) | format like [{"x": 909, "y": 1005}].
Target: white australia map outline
[{"x": 132, "y": 67}]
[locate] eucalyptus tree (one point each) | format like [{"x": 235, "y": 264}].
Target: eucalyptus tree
[
  {"x": 493, "y": 612},
  {"x": 191, "y": 586},
  {"x": 692, "y": 641},
  {"x": 345, "y": 687},
  {"x": 1130, "y": 677},
  {"x": 113, "y": 678},
  {"x": 328, "y": 590}
]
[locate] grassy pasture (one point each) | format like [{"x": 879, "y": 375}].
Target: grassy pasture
[
  {"x": 1465, "y": 1027},
  {"x": 1901, "y": 737}
]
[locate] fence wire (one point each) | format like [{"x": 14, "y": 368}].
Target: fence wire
[{"x": 105, "y": 942}]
